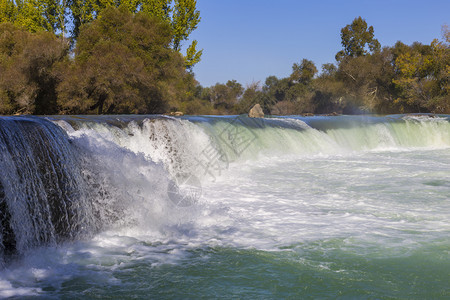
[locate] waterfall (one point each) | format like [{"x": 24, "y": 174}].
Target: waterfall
[
  {"x": 42, "y": 194},
  {"x": 65, "y": 177}
]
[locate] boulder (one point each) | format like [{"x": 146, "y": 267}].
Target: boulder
[
  {"x": 256, "y": 112},
  {"x": 176, "y": 113}
]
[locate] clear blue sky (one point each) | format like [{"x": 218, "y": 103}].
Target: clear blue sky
[{"x": 248, "y": 40}]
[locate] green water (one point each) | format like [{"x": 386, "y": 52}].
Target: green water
[
  {"x": 323, "y": 269},
  {"x": 343, "y": 212}
]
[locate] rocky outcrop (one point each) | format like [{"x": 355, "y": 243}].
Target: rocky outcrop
[{"x": 256, "y": 112}]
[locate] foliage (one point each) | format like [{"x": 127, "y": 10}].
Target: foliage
[
  {"x": 34, "y": 15},
  {"x": 357, "y": 40},
  {"x": 53, "y": 16},
  {"x": 422, "y": 77},
  {"x": 304, "y": 72},
  {"x": 192, "y": 56},
  {"x": 182, "y": 15},
  {"x": 251, "y": 96},
  {"x": 27, "y": 62},
  {"x": 126, "y": 60},
  {"x": 275, "y": 90},
  {"x": 366, "y": 79},
  {"x": 224, "y": 97},
  {"x": 7, "y": 11},
  {"x": 123, "y": 64}
]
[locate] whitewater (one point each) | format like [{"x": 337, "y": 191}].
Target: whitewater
[{"x": 225, "y": 207}]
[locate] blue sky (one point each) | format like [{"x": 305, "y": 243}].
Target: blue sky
[{"x": 248, "y": 40}]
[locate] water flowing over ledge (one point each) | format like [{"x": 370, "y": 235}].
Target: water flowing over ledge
[
  {"x": 158, "y": 189},
  {"x": 49, "y": 171}
]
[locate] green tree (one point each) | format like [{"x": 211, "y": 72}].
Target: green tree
[
  {"x": 196, "y": 100},
  {"x": 366, "y": 81},
  {"x": 357, "y": 40},
  {"x": 8, "y": 11},
  {"x": 123, "y": 64},
  {"x": 182, "y": 15},
  {"x": 275, "y": 90},
  {"x": 27, "y": 66},
  {"x": 303, "y": 73},
  {"x": 34, "y": 15},
  {"x": 446, "y": 33},
  {"x": 251, "y": 96},
  {"x": 328, "y": 70},
  {"x": 225, "y": 96},
  {"x": 85, "y": 11},
  {"x": 296, "y": 89},
  {"x": 422, "y": 77}
]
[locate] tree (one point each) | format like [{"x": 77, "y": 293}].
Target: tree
[
  {"x": 357, "y": 40},
  {"x": 304, "y": 72},
  {"x": 275, "y": 90},
  {"x": 251, "y": 96},
  {"x": 27, "y": 67},
  {"x": 86, "y": 11},
  {"x": 328, "y": 70},
  {"x": 446, "y": 33},
  {"x": 192, "y": 56},
  {"x": 8, "y": 11},
  {"x": 51, "y": 15},
  {"x": 182, "y": 15},
  {"x": 123, "y": 64},
  {"x": 367, "y": 82},
  {"x": 328, "y": 91},
  {"x": 196, "y": 99},
  {"x": 185, "y": 18},
  {"x": 225, "y": 96},
  {"x": 422, "y": 77},
  {"x": 34, "y": 15}
]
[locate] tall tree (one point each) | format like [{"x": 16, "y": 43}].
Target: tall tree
[
  {"x": 34, "y": 15},
  {"x": 8, "y": 10},
  {"x": 251, "y": 96},
  {"x": 123, "y": 64},
  {"x": 225, "y": 96},
  {"x": 27, "y": 63},
  {"x": 182, "y": 15},
  {"x": 422, "y": 77},
  {"x": 304, "y": 72},
  {"x": 52, "y": 15},
  {"x": 275, "y": 89},
  {"x": 357, "y": 40}
]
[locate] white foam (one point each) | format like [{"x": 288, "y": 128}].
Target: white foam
[
  {"x": 325, "y": 187},
  {"x": 7, "y": 290}
]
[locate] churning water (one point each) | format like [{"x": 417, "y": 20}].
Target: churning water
[{"x": 225, "y": 207}]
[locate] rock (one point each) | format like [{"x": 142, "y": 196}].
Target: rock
[
  {"x": 176, "y": 113},
  {"x": 308, "y": 115},
  {"x": 256, "y": 112}
]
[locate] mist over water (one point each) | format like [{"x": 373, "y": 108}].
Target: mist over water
[{"x": 223, "y": 207}]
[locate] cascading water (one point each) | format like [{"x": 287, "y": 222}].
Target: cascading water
[
  {"x": 143, "y": 203},
  {"x": 43, "y": 199}
]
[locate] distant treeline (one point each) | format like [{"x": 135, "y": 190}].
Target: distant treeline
[
  {"x": 124, "y": 57},
  {"x": 365, "y": 79}
]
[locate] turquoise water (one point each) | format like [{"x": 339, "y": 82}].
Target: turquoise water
[{"x": 299, "y": 209}]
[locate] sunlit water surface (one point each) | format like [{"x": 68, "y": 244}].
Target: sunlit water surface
[{"x": 370, "y": 223}]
